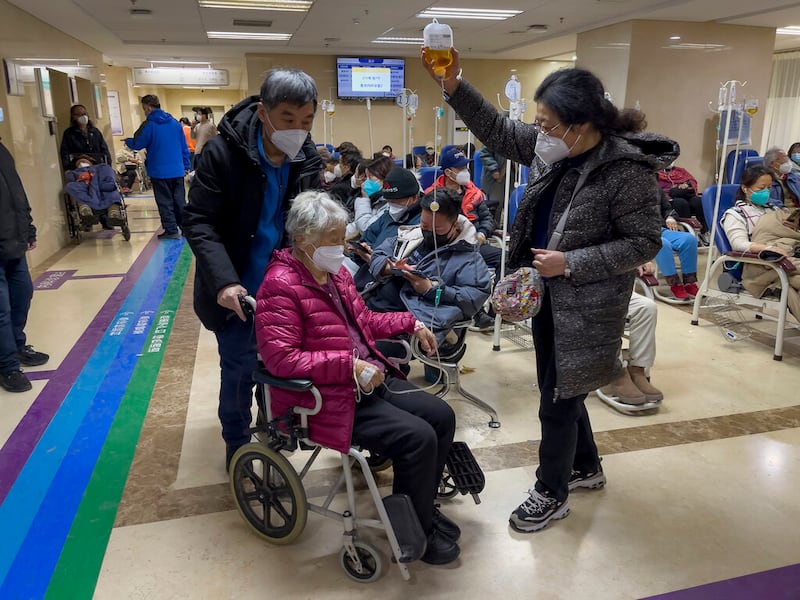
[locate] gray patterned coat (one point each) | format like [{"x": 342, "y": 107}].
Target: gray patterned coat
[{"x": 613, "y": 226}]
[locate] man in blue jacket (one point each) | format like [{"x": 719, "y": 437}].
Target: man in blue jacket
[{"x": 167, "y": 162}]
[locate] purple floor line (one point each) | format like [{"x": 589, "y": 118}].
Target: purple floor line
[
  {"x": 775, "y": 584},
  {"x": 14, "y": 454},
  {"x": 104, "y": 276},
  {"x": 39, "y": 375}
]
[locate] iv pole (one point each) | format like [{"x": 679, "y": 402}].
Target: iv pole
[
  {"x": 727, "y": 100},
  {"x": 513, "y": 92}
]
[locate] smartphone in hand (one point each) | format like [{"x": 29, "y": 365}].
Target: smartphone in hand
[{"x": 403, "y": 272}]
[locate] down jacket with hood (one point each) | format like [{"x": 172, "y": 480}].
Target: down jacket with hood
[
  {"x": 464, "y": 279},
  {"x": 613, "y": 226},
  {"x": 302, "y": 335},
  {"x": 225, "y": 200}
]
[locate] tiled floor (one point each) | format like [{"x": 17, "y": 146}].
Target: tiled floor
[{"x": 703, "y": 490}]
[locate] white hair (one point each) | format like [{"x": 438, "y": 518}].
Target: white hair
[
  {"x": 312, "y": 214},
  {"x": 771, "y": 155}
]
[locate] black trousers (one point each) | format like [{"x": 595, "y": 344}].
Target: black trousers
[
  {"x": 416, "y": 431},
  {"x": 567, "y": 440}
]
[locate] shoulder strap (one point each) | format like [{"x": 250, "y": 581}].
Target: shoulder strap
[{"x": 558, "y": 233}]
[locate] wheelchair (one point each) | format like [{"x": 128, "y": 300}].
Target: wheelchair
[
  {"x": 271, "y": 498},
  {"x": 75, "y": 224}
]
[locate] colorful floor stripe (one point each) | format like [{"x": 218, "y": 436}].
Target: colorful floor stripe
[
  {"x": 25, "y": 436},
  {"x": 775, "y": 584},
  {"x": 40, "y": 507}
]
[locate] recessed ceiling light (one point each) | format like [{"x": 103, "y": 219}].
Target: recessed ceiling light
[
  {"x": 789, "y": 30},
  {"x": 468, "y": 13},
  {"x": 284, "y": 5},
  {"x": 178, "y": 62},
  {"x": 674, "y": 37},
  {"x": 574, "y": 57},
  {"x": 398, "y": 40},
  {"x": 245, "y": 35}
]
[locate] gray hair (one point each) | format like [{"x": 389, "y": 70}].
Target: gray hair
[
  {"x": 771, "y": 155},
  {"x": 288, "y": 85},
  {"x": 312, "y": 214}
]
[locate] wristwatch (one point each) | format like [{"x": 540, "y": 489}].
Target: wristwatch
[{"x": 567, "y": 270}]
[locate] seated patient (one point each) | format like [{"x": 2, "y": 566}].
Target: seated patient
[
  {"x": 681, "y": 188},
  {"x": 94, "y": 188},
  {"x": 437, "y": 273},
  {"x": 675, "y": 239},
  {"x": 311, "y": 323},
  {"x": 633, "y": 386}
]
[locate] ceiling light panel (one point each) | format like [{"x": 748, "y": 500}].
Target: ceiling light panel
[
  {"x": 398, "y": 40},
  {"x": 468, "y": 13},
  {"x": 280, "y": 5},
  {"x": 245, "y": 35}
]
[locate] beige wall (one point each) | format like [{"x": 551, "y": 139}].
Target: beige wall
[
  {"x": 606, "y": 52},
  {"x": 351, "y": 118},
  {"x": 674, "y": 86},
  {"x": 26, "y": 133}
]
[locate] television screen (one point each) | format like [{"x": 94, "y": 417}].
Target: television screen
[{"x": 375, "y": 78}]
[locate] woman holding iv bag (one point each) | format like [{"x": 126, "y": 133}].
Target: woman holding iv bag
[{"x": 585, "y": 224}]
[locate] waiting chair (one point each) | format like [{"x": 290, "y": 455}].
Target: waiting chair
[
  {"x": 726, "y": 262},
  {"x": 427, "y": 175}
]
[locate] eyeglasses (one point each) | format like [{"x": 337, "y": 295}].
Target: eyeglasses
[{"x": 546, "y": 131}]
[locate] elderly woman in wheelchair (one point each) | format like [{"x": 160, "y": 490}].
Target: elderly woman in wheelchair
[{"x": 311, "y": 323}]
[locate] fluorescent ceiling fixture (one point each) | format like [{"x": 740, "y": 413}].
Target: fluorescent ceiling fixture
[
  {"x": 398, "y": 40},
  {"x": 178, "y": 62},
  {"x": 244, "y": 35},
  {"x": 675, "y": 37},
  {"x": 48, "y": 60},
  {"x": 790, "y": 30},
  {"x": 284, "y": 5},
  {"x": 468, "y": 13},
  {"x": 690, "y": 46}
]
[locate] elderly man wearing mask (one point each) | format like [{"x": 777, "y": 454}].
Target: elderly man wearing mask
[{"x": 785, "y": 188}]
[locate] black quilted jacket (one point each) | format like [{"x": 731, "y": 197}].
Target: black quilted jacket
[{"x": 614, "y": 225}]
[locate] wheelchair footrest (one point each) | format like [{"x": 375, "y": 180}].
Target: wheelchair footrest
[
  {"x": 407, "y": 528},
  {"x": 467, "y": 474}
]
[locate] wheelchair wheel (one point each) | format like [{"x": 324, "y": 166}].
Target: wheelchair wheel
[
  {"x": 126, "y": 232},
  {"x": 377, "y": 462},
  {"x": 269, "y": 493},
  {"x": 370, "y": 565},
  {"x": 447, "y": 486}
]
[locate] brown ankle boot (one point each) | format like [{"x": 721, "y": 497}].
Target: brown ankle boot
[
  {"x": 639, "y": 378},
  {"x": 624, "y": 390}
]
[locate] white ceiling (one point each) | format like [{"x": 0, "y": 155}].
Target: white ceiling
[{"x": 177, "y": 28}]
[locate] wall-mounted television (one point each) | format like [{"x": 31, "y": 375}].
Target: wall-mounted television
[{"x": 374, "y": 78}]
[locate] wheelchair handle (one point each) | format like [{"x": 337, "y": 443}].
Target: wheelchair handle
[{"x": 248, "y": 303}]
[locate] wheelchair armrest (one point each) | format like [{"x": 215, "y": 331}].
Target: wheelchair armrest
[
  {"x": 649, "y": 280},
  {"x": 770, "y": 258},
  {"x": 692, "y": 221},
  {"x": 295, "y": 385},
  {"x": 408, "y": 354}
]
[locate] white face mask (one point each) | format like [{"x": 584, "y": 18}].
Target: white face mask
[
  {"x": 552, "y": 149},
  {"x": 386, "y": 154},
  {"x": 785, "y": 167},
  {"x": 337, "y": 170},
  {"x": 429, "y": 151},
  {"x": 328, "y": 258},
  {"x": 83, "y": 120},
  {"x": 462, "y": 177},
  {"x": 396, "y": 211},
  {"x": 84, "y": 165},
  {"x": 288, "y": 141},
  {"x": 329, "y": 176},
  {"x": 354, "y": 182}
]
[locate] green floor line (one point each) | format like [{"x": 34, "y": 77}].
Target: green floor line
[{"x": 78, "y": 567}]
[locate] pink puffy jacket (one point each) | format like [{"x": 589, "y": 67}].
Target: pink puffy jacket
[{"x": 302, "y": 335}]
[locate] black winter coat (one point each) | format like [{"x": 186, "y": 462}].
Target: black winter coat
[
  {"x": 225, "y": 200},
  {"x": 74, "y": 142},
  {"x": 16, "y": 224},
  {"x": 614, "y": 225}
]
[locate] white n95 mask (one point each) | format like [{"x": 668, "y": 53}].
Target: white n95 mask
[
  {"x": 552, "y": 149},
  {"x": 328, "y": 258}
]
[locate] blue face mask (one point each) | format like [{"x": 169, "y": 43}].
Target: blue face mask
[
  {"x": 371, "y": 186},
  {"x": 796, "y": 158},
  {"x": 760, "y": 198}
]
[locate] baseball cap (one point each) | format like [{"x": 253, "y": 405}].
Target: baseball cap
[
  {"x": 454, "y": 158},
  {"x": 400, "y": 183},
  {"x": 428, "y": 145}
]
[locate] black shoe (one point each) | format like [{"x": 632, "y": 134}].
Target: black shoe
[
  {"x": 15, "y": 381},
  {"x": 230, "y": 450},
  {"x": 31, "y": 358},
  {"x": 441, "y": 549},
  {"x": 591, "y": 480},
  {"x": 444, "y": 525},
  {"x": 169, "y": 236},
  {"x": 537, "y": 511},
  {"x": 482, "y": 322}
]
